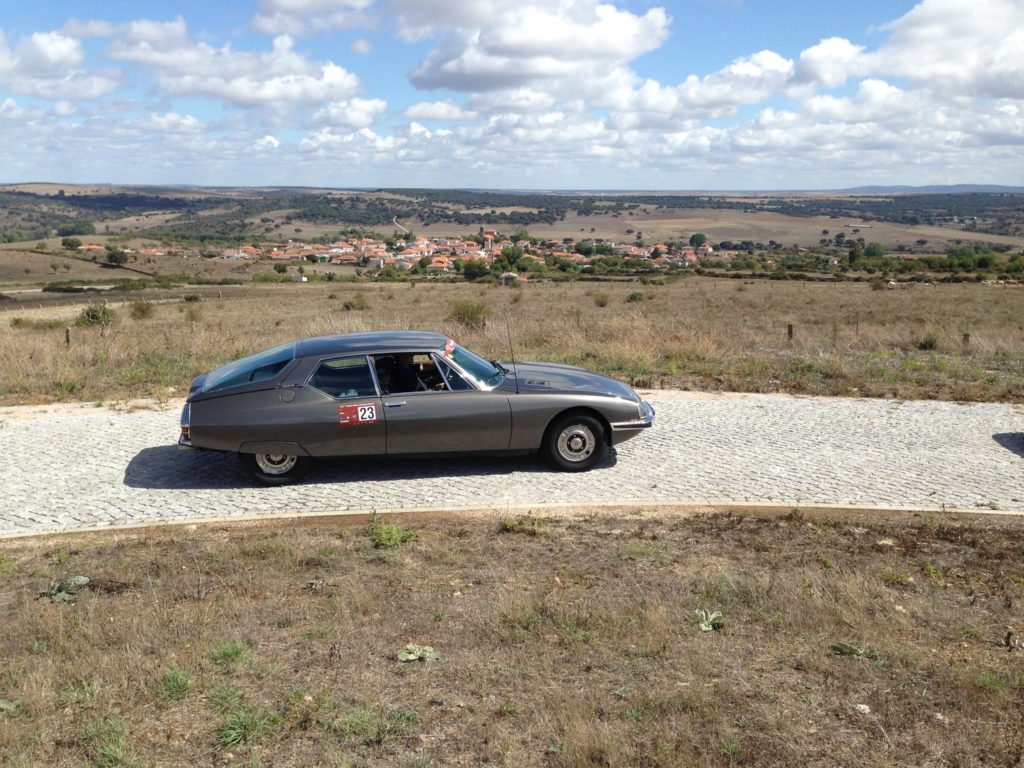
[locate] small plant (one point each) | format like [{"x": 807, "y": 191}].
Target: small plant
[
  {"x": 77, "y": 692},
  {"x": 191, "y": 298},
  {"x": 636, "y": 297},
  {"x": 708, "y": 620},
  {"x": 141, "y": 310},
  {"x": 990, "y": 681},
  {"x": 600, "y": 299},
  {"x": 413, "y": 652},
  {"x": 193, "y": 314},
  {"x": 531, "y": 526},
  {"x": 64, "y": 591},
  {"x": 228, "y": 653},
  {"x": 105, "y": 744},
  {"x": 929, "y": 341},
  {"x": 357, "y": 303},
  {"x": 472, "y": 314},
  {"x": 6, "y": 564},
  {"x": 11, "y": 707},
  {"x": 845, "y": 649},
  {"x": 375, "y": 728},
  {"x": 97, "y": 314},
  {"x": 224, "y": 699},
  {"x": 387, "y": 535},
  {"x": 733, "y": 751},
  {"x": 174, "y": 683},
  {"x": 245, "y": 725}
]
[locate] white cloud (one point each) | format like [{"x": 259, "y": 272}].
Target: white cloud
[
  {"x": 438, "y": 110},
  {"x": 48, "y": 65},
  {"x": 266, "y": 144},
  {"x": 828, "y": 63},
  {"x": 973, "y": 48},
  {"x": 278, "y": 78},
  {"x": 298, "y": 17},
  {"x": 89, "y": 28},
  {"x": 362, "y": 46},
  {"x": 170, "y": 122},
  {"x": 529, "y": 44},
  {"x": 352, "y": 113}
]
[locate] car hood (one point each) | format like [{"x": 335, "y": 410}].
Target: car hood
[{"x": 549, "y": 377}]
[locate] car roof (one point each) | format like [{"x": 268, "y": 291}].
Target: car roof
[{"x": 378, "y": 342}]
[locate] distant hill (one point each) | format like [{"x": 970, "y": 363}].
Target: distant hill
[{"x": 935, "y": 189}]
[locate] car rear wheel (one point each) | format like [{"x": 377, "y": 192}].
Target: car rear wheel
[
  {"x": 575, "y": 443},
  {"x": 274, "y": 468}
]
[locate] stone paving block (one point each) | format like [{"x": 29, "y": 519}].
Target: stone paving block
[{"x": 97, "y": 468}]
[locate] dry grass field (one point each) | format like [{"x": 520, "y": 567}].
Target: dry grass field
[
  {"x": 564, "y": 642},
  {"x": 738, "y": 225},
  {"x": 696, "y": 333}
]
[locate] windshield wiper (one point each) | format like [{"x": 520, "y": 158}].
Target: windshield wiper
[{"x": 496, "y": 364}]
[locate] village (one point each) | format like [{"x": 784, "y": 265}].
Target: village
[{"x": 438, "y": 256}]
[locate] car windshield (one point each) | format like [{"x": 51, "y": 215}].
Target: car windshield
[
  {"x": 486, "y": 374},
  {"x": 259, "y": 367}
]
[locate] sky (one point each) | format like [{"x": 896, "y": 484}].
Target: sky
[{"x": 513, "y": 94}]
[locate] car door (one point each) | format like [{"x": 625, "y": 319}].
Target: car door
[
  {"x": 337, "y": 411},
  {"x": 457, "y": 418}
]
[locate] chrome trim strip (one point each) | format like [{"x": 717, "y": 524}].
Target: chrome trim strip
[{"x": 647, "y": 420}]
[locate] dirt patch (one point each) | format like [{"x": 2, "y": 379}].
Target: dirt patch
[{"x": 568, "y": 641}]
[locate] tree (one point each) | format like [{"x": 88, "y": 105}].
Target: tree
[
  {"x": 512, "y": 254},
  {"x": 698, "y": 239},
  {"x": 116, "y": 256},
  {"x": 874, "y": 251},
  {"x": 76, "y": 228},
  {"x": 475, "y": 268},
  {"x": 71, "y": 243},
  {"x": 424, "y": 262},
  {"x": 280, "y": 268}
]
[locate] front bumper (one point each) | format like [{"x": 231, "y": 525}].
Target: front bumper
[{"x": 623, "y": 430}]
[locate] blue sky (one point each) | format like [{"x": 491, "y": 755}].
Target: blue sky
[{"x": 695, "y": 94}]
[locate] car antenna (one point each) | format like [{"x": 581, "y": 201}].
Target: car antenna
[{"x": 512, "y": 353}]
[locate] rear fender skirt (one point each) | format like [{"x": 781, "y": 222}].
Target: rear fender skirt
[{"x": 278, "y": 448}]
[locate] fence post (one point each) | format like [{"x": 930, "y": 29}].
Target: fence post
[
  {"x": 67, "y": 338},
  {"x": 967, "y": 339},
  {"x": 789, "y": 332}
]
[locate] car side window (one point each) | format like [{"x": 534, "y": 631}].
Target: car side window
[
  {"x": 344, "y": 377},
  {"x": 405, "y": 372},
  {"x": 452, "y": 378}
]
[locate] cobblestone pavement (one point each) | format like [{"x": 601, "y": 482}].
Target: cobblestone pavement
[{"x": 77, "y": 467}]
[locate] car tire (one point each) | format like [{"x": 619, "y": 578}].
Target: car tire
[
  {"x": 274, "y": 469},
  {"x": 574, "y": 442}
]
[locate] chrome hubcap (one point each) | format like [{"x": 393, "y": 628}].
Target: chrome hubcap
[
  {"x": 275, "y": 463},
  {"x": 576, "y": 443}
]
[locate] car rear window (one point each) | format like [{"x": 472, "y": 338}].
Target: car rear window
[{"x": 262, "y": 366}]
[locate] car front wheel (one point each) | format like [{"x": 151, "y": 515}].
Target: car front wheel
[
  {"x": 575, "y": 443},
  {"x": 274, "y": 468}
]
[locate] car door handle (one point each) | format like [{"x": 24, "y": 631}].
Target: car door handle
[{"x": 396, "y": 403}]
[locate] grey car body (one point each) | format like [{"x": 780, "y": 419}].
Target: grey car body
[{"x": 327, "y": 396}]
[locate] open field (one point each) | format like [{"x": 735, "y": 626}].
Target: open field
[
  {"x": 695, "y": 333},
  {"x": 738, "y": 225},
  {"x": 569, "y": 641}
]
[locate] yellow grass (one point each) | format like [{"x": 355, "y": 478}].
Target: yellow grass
[
  {"x": 571, "y": 644},
  {"x": 695, "y": 333}
]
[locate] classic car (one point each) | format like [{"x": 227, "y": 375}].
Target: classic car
[{"x": 401, "y": 393}]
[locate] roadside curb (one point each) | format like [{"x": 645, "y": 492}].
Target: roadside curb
[{"x": 681, "y": 509}]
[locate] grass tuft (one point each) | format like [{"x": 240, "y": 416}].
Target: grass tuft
[
  {"x": 175, "y": 683},
  {"x": 228, "y": 652}
]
